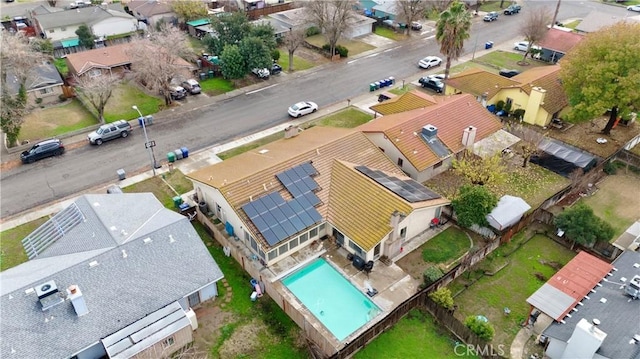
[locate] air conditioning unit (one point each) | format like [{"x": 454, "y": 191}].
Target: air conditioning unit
[
  {"x": 46, "y": 289},
  {"x": 429, "y": 131}
]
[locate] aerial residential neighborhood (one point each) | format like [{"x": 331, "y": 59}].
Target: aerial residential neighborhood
[{"x": 319, "y": 179}]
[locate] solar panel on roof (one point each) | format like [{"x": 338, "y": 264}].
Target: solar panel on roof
[
  {"x": 268, "y": 218},
  {"x": 409, "y": 189},
  {"x": 284, "y": 178},
  {"x": 279, "y": 232},
  {"x": 310, "y": 183},
  {"x": 297, "y": 223},
  {"x": 259, "y": 206},
  {"x": 250, "y": 210},
  {"x": 286, "y": 210},
  {"x": 295, "y": 190},
  {"x": 312, "y": 198},
  {"x": 309, "y": 169},
  {"x": 270, "y": 237},
  {"x": 295, "y": 206},
  {"x": 304, "y": 202},
  {"x": 315, "y": 216},
  {"x": 268, "y": 202},
  {"x": 277, "y": 198},
  {"x": 306, "y": 218},
  {"x": 289, "y": 228},
  {"x": 260, "y": 224},
  {"x": 277, "y": 213}
]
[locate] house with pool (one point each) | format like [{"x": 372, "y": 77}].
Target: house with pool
[{"x": 305, "y": 214}]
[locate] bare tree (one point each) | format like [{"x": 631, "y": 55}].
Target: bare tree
[
  {"x": 333, "y": 17},
  {"x": 530, "y": 140},
  {"x": 97, "y": 90},
  {"x": 534, "y": 27},
  {"x": 18, "y": 57},
  {"x": 52, "y": 3},
  {"x": 438, "y": 5},
  {"x": 160, "y": 58},
  {"x": 409, "y": 11},
  {"x": 292, "y": 40}
]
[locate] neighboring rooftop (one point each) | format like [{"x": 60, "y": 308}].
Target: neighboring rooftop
[
  {"x": 408, "y": 101},
  {"x": 39, "y": 77},
  {"x": 477, "y": 82},
  {"x": 102, "y": 58},
  {"x": 597, "y": 20},
  {"x": 547, "y": 78},
  {"x": 87, "y": 15},
  {"x": 149, "y": 8},
  {"x": 560, "y": 41}
]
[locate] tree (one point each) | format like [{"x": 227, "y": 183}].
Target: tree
[
  {"x": 452, "y": 28},
  {"x": 442, "y": 297},
  {"x": 85, "y": 36},
  {"x": 601, "y": 72},
  {"x": 266, "y": 34},
  {"x": 534, "y": 28},
  {"x": 581, "y": 225},
  {"x": 188, "y": 10},
  {"x": 530, "y": 140},
  {"x": 12, "y": 114},
  {"x": 231, "y": 29},
  {"x": 480, "y": 171},
  {"x": 233, "y": 66},
  {"x": 333, "y": 17},
  {"x": 480, "y": 327},
  {"x": 431, "y": 275},
  {"x": 410, "y": 10},
  {"x": 159, "y": 58},
  {"x": 97, "y": 90},
  {"x": 292, "y": 40},
  {"x": 473, "y": 204},
  {"x": 254, "y": 53}
]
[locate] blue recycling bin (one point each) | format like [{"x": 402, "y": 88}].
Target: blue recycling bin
[
  {"x": 140, "y": 121},
  {"x": 488, "y": 45},
  {"x": 185, "y": 152}
]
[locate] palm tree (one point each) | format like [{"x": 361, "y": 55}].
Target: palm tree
[{"x": 452, "y": 29}]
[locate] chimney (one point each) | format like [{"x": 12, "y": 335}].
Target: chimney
[
  {"x": 291, "y": 131},
  {"x": 394, "y": 222},
  {"x": 429, "y": 131},
  {"x": 585, "y": 340},
  {"x": 469, "y": 137},
  {"x": 75, "y": 296}
]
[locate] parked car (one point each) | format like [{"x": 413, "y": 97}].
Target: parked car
[
  {"x": 177, "y": 92},
  {"x": 42, "y": 150},
  {"x": 276, "y": 69},
  {"x": 635, "y": 8},
  {"x": 431, "y": 83},
  {"x": 192, "y": 86},
  {"x": 429, "y": 61},
  {"x": 79, "y": 3},
  {"x": 416, "y": 26},
  {"x": 524, "y": 45},
  {"x": 302, "y": 108},
  {"x": 436, "y": 76},
  {"x": 512, "y": 9},
  {"x": 262, "y": 73},
  {"x": 110, "y": 131},
  {"x": 508, "y": 73},
  {"x": 491, "y": 16}
]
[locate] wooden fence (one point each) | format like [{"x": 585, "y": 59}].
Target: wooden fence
[{"x": 255, "y": 14}]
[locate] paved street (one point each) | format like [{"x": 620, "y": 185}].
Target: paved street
[{"x": 218, "y": 120}]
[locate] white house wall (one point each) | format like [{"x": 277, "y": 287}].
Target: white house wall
[
  {"x": 95, "y": 351},
  {"x": 358, "y": 30},
  {"x": 209, "y": 292},
  {"x": 419, "y": 220},
  {"x": 114, "y": 26},
  {"x": 433, "y": 171},
  {"x": 61, "y": 33},
  {"x": 392, "y": 153}
]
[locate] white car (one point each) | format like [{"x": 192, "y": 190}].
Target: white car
[
  {"x": 523, "y": 46},
  {"x": 302, "y": 108},
  {"x": 436, "y": 77},
  {"x": 430, "y": 61},
  {"x": 634, "y": 8}
]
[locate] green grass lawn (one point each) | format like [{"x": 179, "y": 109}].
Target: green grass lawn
[
  {"x": 54, "y": 121},
  {"x": 511, "y": 286},
  {"x": 493, "y": 6},
  {"x": 417, "y": 335},
  {"x": 299, "y": 64},
  {"x": 61, "y": 65},
  {"x": 389, "y": 33},
  {"x": 401, "y": 90},
  {"x": 449, "y": 245},
  {"x": 158, "y": 187},
  {"x": 197, "y": 45},
  {"x": 507, "y": 60},
  {"x": 355, "y": 47},
  {"x": 127, "y": 95},
  {"x": 216, "y": 86},
  {"x": 573, "y": 24},
  {"x": 11, "y": 251}
]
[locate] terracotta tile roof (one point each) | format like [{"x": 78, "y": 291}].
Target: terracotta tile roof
[
  {"x": 451, "y": 117},
  {"x": 548, "y": 78},
  {"x": 103, "y": 58},
  {"x": 361, "y": 209},
  {"x": 478, "y": 81},
  {"x": 408, "y": 101},
  {"x": 560, "y": 41},
  {"x": 246, "y": 175}
]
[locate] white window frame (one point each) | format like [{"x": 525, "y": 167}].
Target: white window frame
[{"x": 168, "y": 342}]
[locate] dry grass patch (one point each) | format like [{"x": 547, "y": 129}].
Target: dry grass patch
[
  {"x": 54, "y": 121},
  {"x": 584, "y": 136}
]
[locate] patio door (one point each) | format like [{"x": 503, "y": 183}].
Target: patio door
[{"x": 339, "y": 237}]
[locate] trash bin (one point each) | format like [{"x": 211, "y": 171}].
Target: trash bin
[
  {"x": 199, "y": 62},
  {"x": 488, "y": 44},
  {"x": 121, "y": 174},
  {"x": 372, "y": 87},
  {"x": 177, "y": 201},
  {"x": 185, "y": 152},
  {"x": 203, "y": 75},
  {"x": 171, "y": 157},
  {"x": 210, "y": 74},
  {"x": 377, "y": 84},
  {"x": 148, "y": 120},
  {"x": 392, "y": 79},
  {"x": 178, "y": 153},
  {"x": 141, "y": 121}
]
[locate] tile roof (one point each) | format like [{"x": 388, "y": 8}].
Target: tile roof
[
  {"x": 597, "y": 20},
  {"x": 478, "y": 81},
  {"x": 560, "y": 41},
  {"x": 451, "y": 117},
  {"x": 547, "y": 78},
  {"x": 361, "y": 209},
  {"x": 88, "y": 15},
  {"x": 246, "y": 175},
  {"x": 118, "y": 291},
  {"x": 102, "y": 58},
  {"x": 408, "y": 101},
  {"x": 150, "y": 8}
]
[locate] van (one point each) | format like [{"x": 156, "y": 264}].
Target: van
[{"x": 192, "y": 86}]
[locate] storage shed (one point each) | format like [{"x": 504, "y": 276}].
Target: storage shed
[{"x": 508, "y": 212}]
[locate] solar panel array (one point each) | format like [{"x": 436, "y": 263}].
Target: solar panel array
[
  {"x": 409, "y": 189},
  {"x": 277, "y": 219}
]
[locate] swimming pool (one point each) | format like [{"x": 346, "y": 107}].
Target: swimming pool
[{"x": 337, "y": 304}]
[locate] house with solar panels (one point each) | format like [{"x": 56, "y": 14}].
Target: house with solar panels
[
  {"x": 109, "y": 276},
  {"x": 281, "y": 198}
]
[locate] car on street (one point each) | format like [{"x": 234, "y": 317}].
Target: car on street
[
  {"x": 524, "y": 45},
  {"x": 429, "y": 62},
  {"x": 635, "y": 8},
  {"x": 491, "y": 16},
  {"x": 508, "y": 73},
  {"x": 302, "y": 108},
  {"x": 512, "y": 9},
  {"x": 192, "y": 86},
  {"x": 432, "y": 84},
  {"x": 416, "y": 26},
  {"x": 44, "y": 149},
  {"x": 262, "y": 73},
  {"x": 110, "y": 131},
  {"x": 276, "y": 69}
]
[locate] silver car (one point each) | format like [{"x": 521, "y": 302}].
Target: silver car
[{"x": 110, "y": 131}]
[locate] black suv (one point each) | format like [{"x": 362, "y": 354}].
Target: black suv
[
  {"x": 431, "y": 83},
  {"x": 42, "y": 150},
  {"x": 512, "y": 9}
]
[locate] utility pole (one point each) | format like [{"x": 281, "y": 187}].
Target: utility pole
[{"x": 555, "y": 14}]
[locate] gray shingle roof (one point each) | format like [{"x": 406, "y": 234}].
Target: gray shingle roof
[
  {"x": 618, "y": 315},
  {"x": 118, "y": 291},
  {"x": 40, "y": 76},
  {"x": 88, "y": 15}
]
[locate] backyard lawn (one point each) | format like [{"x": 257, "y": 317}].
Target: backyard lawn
[
  {"x": 446, "y": 246},
  {"x": 507, "y": 60},
  {"x": 299, "y": 63},
  {"x": 56, "y": 120},
  {"x": 216, "y": 86},
  {"x": 11, "y": 251},
  {"x": 417, "y": 335},
  {"x": 510, "y": 286},
  {"x": 389, "y": 33},
  {"x": 127, "y": 95}
]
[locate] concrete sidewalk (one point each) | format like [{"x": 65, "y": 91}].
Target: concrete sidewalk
[{"x": 209, "y": 156}]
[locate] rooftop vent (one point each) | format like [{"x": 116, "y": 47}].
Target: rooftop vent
[
  {"x": 47, "y": 294},
  {"x": 77, "y": 300},
  {"x": 429, "y": 131}
]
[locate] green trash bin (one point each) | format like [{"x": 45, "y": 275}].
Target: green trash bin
[
  {"x": 171, "y": 157},
  {"x": 210, "y": 74},
  {"x": 177, "y": 201},
  {"x": 372, "y": 87}
]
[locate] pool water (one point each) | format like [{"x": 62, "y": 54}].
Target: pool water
[{"x": 337, "y": 304}]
